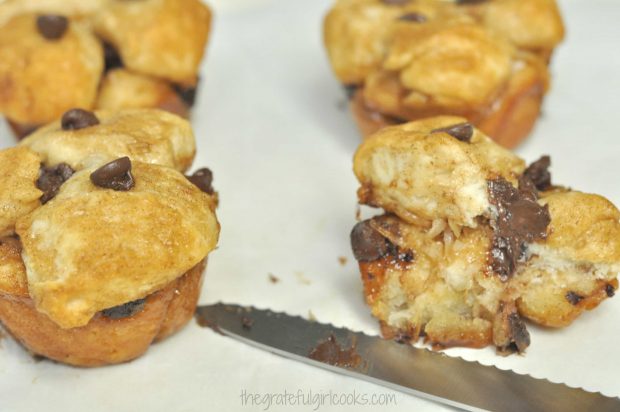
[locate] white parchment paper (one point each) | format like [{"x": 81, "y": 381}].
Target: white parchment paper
[{"x": 271, "y": 123}]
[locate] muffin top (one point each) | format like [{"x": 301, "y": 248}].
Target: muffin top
[
  {"x": 146, "y": 135},
  {"x": 106, "y": 239}
]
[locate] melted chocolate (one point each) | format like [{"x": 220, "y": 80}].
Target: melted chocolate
[
  {"x": 51, "y": 178},
  {"x": 112, "y": 58},
  {"x": 538, "y": 173},
  {"x": 518, "y": 333},
  {"x": 203, "y": 180},
  {"x": 609, "y": 289},
  {"x": 574, "y": 298},
  {"x": 332, "y": 353},
  {"x": 369, "y": 245},
  {"x": 126, "y": 310},
  {"x": 413, "y": 17},
  {"x": 520, "y": 220}
]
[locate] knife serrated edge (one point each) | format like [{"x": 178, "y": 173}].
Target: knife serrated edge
[{"x": 240, "y": 310}]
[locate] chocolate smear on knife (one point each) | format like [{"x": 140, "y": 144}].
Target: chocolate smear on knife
[
  {"x": 76, "y": 119},
  {"x": 332, "y": 353},
  {"x": 51, "y": 178},
  {"x": 115, "y": 175},
  {"x": 52, "y": 26}
]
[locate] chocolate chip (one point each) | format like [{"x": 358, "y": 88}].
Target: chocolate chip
[
  {"x": 413, "y": 17},
  {"x": 574, "y": 298},
  {"x": 51, "y": 178},
  {"x": 406, "y": 256},
  {"x": 396, "y": 2},
  {"x": 519, "y": 221},
  {"x": 369, "y": 245},
  {"x": 76, "y": 119},
  {"x": 461, "y": 131},
  {"x": 51, "y": 26},
  {"x": 246, "y": 323},
  {"x": 349, "y": 90},
  {"x": 126, "y": 310},
  {"x": 518, "y": 332},
  {"x": 609, "y": 289},
  {"x": 115, "y": 175},
  {"x": 111, "y": 57},
  {"x": 538, "y": 173},
  {"x": 465, "y": 2},
  {"x": 203, "y": 180},
  {"x": 186, "y": 93}
]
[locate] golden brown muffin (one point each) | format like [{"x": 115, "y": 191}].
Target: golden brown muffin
[
  {"x": 98, "y": 54},
  {"x": 146, "y": 135},
  {"x": 472, "y": 242},
  {"x": 110, "y": 264},
  {"x": 410, "y": 60}
]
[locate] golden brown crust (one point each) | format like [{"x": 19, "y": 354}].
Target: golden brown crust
[
  {"x": 91, "y": 248},
  {"x": 19, "y": 195},
  {"x": 447, "y": 62},
  {"x": 146, "y": 135},
  {"x": 103, "y": 341},
  {"x": 41, "y": 79},
  {"x": 122, "y": 89},
  {"x": 162, "y": 38}
]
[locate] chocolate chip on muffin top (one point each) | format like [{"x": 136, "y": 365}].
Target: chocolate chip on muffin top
[
  {"x": 51, "y": 178},
  {"x": 51, "y": 26},
  {"x": 115, "y": 175},
  {"x": 76, "y": 119}
]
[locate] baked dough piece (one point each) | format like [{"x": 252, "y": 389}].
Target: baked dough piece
[
  {"x": 162, "y": 38},
  {"x": 122, "y": 89},
  {"x": 464, "y": 267},
  {"x": 19, "y": 195},
  {"x": 412, "y": 60},
  {"x": 146, "y": 135},
  {"x": 40, "y": 78}
]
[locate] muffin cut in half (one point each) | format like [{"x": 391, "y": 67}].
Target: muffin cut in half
[
  {"x": 98, "y": 54},
  {"x": 100, "y": 258},
  {"x": 406, "y": 60},
  {"x": 472, "y": 241}
]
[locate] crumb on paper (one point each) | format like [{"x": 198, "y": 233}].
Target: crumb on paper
[
  {"x": 311, "y": 316},
  {"x": 358, "y": 213},
  {"x": 342, "y": 260},
  {"x": 273, "y": 278},
  {"x": 302, "y": 279}
]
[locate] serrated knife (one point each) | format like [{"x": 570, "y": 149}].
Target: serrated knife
[{"x": 420, "y": 372}]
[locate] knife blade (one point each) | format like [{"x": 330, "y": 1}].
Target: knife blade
[{"x": 420, "y": 372}]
